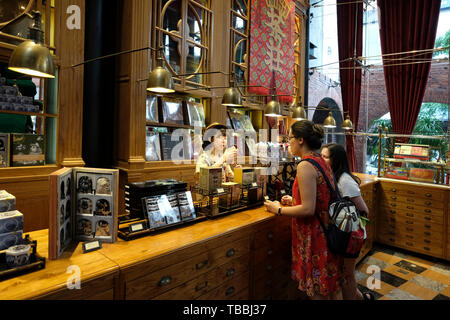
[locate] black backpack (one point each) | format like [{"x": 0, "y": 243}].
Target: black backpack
[{"x": 344, "y": 234}]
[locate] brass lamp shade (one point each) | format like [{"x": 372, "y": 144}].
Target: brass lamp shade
[
  {"x": 299, "y": 113},
  {"x": 32, "y": 59},
  {"x": 232, "y": 98},
  {"x": 160, "y": 81},
  {"x": 347, "y": 124},
  {"x": 272, "y": 109},
  {"x": 329, "y": 121}
]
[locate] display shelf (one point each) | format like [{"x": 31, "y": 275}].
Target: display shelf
[{"x": 417, "y": 161}]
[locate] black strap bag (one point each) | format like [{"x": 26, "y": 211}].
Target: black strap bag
[{"x": 344, "y": 233}]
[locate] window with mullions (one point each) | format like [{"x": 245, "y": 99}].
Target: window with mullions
[{"x": 183, "y": 28}]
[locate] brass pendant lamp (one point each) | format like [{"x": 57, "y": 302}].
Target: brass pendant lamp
[
  {"x": 31, "y": 57},
  {"x": 273, "y": 108},
  {"x": 298, "y": 111},
  {"x": 347, "y": 124},
  {"x": 232, "y": 97},
  {"x": 160, "y": 79},
  {"x": 329, "y": 122}
]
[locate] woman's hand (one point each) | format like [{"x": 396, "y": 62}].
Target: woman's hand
[
  {"x": 230, "y": 155},
  {"x": 286, "y": 201},
  {"x": 272, "y": 206}
]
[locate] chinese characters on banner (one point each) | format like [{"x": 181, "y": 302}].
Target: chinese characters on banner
[{"x": 272, "y": 47}]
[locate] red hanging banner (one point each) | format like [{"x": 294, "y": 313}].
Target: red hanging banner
[{"x": 272, "y": 47}]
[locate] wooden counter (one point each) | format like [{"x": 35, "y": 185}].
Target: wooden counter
[
  {"x": 245, "y": 255},
  {"x": 97, "y": 275}
]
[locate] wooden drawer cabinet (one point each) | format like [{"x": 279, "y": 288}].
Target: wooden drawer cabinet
[
  {"x": 413, "y": 208},
  {"x": 209, "y": 281},
  {"x": 411, "y": 200},
  {"x": 158, "y": 282},
  {"x": 97, "y": 289},
  {"x": 230, "y": 290},
  {"x": 420, "y": 217},
  {"x": 390, "y": 189}
]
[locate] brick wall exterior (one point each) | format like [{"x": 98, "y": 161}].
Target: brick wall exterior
[{"x": 377, "y": 104}]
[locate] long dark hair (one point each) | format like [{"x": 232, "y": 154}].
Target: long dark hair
[
  {"x": 312, "y": 133},
  {"x": 339, "y": 161}
]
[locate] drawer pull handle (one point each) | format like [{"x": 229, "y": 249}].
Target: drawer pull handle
[
  {"x": 428, "y": 203},
  {"x": 409, "y": 229},
  {"x": 427, "y": 233},
  {"x": 394, "y": 190},
  {"x": 391, "y": 233},
  {"x": 409, "y": 237},
  {"x": 411, "y": 192},
  {"x": 426, "y": 248},
  {"x": 391, "y": 239},
  {"x": 427, "y": 210},
  {"x": 231, "y": 253},
  {"x": 269, "y": 252},
  {"x": 428, "y": 218},
  {"x": 230, "y": 272},
  {"x": 393, "y": 205},
  {"x": 410, "y": 215},
  {"x": 200, "y": 265},
  {"x": 428, "y": 195},
  {"x": 269, "y": 267},
  {"x": 427, "y": 226},
  {"x": 427, "y": 241},
  {"x": 409, "y": 222},
  {"x": 229, "y": 291},
  {"x": 409, "y": 244},
  {"x": 270, "y": 235},
  {"x": 394, "y": 198},
  {"x": 392, "y": 211},
  {"x": 200, "y": 287},
  {"x": 410, "y": 200},
  {"x": 269, "y": 282},
  {"x": 409, "y": 207},
  {"x": 165, "y": 281}
]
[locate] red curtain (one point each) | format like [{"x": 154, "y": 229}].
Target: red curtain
[
  {"x": 406, "y": 25},
  {"x": 350, "y": 28}
]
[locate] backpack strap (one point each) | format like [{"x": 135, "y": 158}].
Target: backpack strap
[{"x": 330, "y": 187}]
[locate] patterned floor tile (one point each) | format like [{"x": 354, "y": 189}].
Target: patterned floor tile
[
  {"x": 384, "y": 288},
  {"x": 410, "y": 266},
  {"x": 386, "y": 257},
  {"x": 398, "y": 294},
  {"x": 446, "y": 292},
  {"x": 360, "y": 276},
  {"x": 374, "y": 261},
  {"x": 441, "y": 297},
  {"x": 418, "y": 291},
  {"x": 400, "y": 272},
  {"x": 441, "y": 268},
  {"x": 436, "y": 276},
  {"x": 421, "y": 262},
  {"x": 401, "y": 255},
  {"x": 391, "y": 279},
  {"x": 429, "y": 283},
  {"x": 386, "y": 250}
]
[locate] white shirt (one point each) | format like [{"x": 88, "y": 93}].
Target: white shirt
[{"x": 348, "y": 186}]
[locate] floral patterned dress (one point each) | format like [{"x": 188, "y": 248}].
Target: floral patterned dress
[{"x": 316, "y": 269}]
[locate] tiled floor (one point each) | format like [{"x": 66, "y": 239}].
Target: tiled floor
[{"x": 394, "y": 274}]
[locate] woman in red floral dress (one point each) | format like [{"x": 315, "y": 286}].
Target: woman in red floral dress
[{"x": 316, "y": 269}]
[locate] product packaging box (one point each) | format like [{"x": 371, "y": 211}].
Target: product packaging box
[
  {"x": 28, "y": 149},
  {"x": 210, "y": 179},
  {"x": 422, "y": 175},
  {"x": 412, "y": 151},
  {"x": 83, "y": 207},
  {"x": 4, "y": 149},
  {"x": 244, "y": 176},
  {"x": 7, "y": 201},
  {"x": 10, "y": 239},
  {"x": 11, "y": 221}
]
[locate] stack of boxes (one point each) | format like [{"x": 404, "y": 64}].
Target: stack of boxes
[
  {"x": 12, "y": 100},
  {"x": 11, "y": 221}
]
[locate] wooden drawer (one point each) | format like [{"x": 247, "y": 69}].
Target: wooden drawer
[
  {"x": 393, "y": 229},
  {"x": 419, "y": 217},
  {"x": 389, "y": 189},
  {"x": 272, "y": 253},
  {"x": 420, "y": 247},
  {"x": 413, "y": 208},
  {"x": 97, "y": 289},
  {"x": 435, "y": 241},
  {"x": 265, "y": 269},
  {"x": 230, "y": 290},
  {"x": 208, "y": 281},
  {"x": 265, "y": 236},
  {"x": 271, "y": 285},
  {"x": 411, "y": 200},
  {"x": 406, "y": 224},
  {"x": 156, "y": 283}
]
